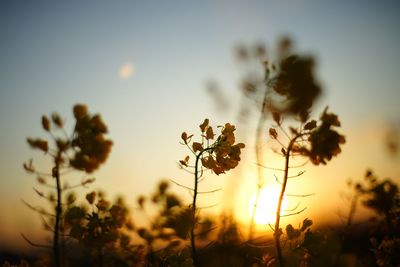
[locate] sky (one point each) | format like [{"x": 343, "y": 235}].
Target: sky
[{"x": 144, "y": 66}]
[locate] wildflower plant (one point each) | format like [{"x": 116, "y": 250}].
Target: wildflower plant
[
  {"x": 170, "y": 226},
  {"x": 85, "y": 149},
  {"x": 102, "y": 227},
  {"x": 218, "y": 154},
  {"x": 319, "y": 142},
  {"x": 382, "y": 196}
]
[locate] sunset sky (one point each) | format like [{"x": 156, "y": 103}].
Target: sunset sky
[{"x": 144, "y": 66}]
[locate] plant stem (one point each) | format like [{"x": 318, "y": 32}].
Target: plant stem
[
  {"x": 277, "y": 231},
  {"x": 195, "y": 191},
  {"x": 258, "y": 146},
  {"x": 56, "y": 243}
]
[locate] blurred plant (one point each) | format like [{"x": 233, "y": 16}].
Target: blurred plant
[
  {"x": 171, "y": 225},
  {"x": 103, "y": 228},
  {"x": 283, "y": 84},
  {"x": 84, "y": 150},
  {"x": 219, "y": 155},
  {"x": 383, "y": 197},
  {"x": 169, "y": 228},
  {"x": 284, "y": 87},
  {"x": 392, "y": 140},
  {"x": 255, "y": 91}
]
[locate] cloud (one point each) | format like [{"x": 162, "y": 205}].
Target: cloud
[{"x": 126, "y": 71}]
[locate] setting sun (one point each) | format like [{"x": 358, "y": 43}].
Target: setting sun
[{"x": 266, "y": 207}]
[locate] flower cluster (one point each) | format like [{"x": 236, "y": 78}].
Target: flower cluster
[
  {"x": 296, "y": 83},
  {"x": 101, "y": 226},
  {"x": 219, "y": 154},
  {"x": 92, "y": 147},
  {"x": 88, "y": 147},
  {"x": 324, "y": 141}
]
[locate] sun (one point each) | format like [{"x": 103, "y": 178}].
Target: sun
[{"x": 266, "y": 208}]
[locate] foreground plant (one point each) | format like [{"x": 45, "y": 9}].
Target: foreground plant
[
  {"x": 85, "y": 149},
  {"x": 317, "y": 141},
  {"x": 219, "y": 155}
]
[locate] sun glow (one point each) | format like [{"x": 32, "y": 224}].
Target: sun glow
[{"x": 265, "y": 212}]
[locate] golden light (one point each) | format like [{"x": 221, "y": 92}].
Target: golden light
[{"x": 267, "y": 203}]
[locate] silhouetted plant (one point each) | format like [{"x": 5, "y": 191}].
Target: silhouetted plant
[
  {"x": 318, "y": 142},
  {"x": 290, "y": 90},
  {"x": 219, "y": 155},
  {"x": 284, "y": 85},
  {"x": 383, "y": 197},
  {"x": 85, "y": 149},
  {"x": 103, "y": 227},
  {"x": 170, "y": 225}
]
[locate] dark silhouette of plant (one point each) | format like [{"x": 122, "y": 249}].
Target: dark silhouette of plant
[
  {"x": 318, "y": 142},
  {"x": 171, "y": 225},
  {"x": 284, "y": 85},
  {"x": 85, "y": 149},
  {"x": 103, "y": 228},
  {"x": 219, "y": 155},
  {"x": 383, "y": 197}
]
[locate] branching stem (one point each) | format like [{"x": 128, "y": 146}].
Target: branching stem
[{"x": 277, "y": 232}]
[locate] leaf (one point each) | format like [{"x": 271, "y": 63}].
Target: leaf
[
  {"x": 38, "y": 192},
  {"x": 29, "y": 166}
]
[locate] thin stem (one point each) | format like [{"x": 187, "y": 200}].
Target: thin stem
[
  {"x": 258, "y": 145},
  {"x": 352, "y": 211},
  {"x": 32, "y": 243},
  {"x": 277, "y": 232},
  {"x": 56, "y": 243},
  {"x": 192, "y": 236}
]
